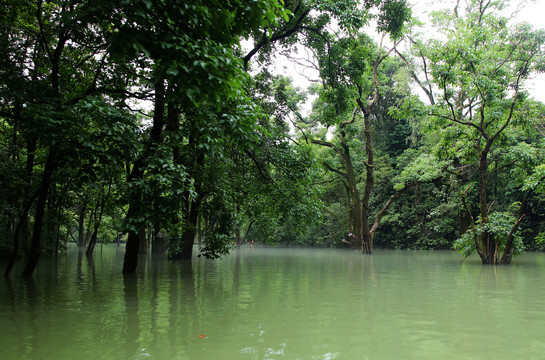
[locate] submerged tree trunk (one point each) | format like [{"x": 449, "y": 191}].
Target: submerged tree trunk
[
  {"x": 366, "y": 110},
  {"x": 35, "y": 248},
  {"x": 81, "y": 224},
  {"x": 143, "y": 241},
  {"x": 21, "y": 229},
  {"x": 158, "y": 243},
  {"x": 130, "y": 260},
  {"x": 357, "y": 225},
  {"x": 17, "y": 234},
  {"x": 487, "y": 246},
  {"x": 189, "y": 233},
  {"x": 185, "y": 250},
  {"x": 135, "y": 203},
  {"x": 488, "y": 243},
  {"x": 98, "y": 219},
  {"x": 367, "y": 239},
  {"x": 353, "y": 195},
  {"x": 92, "y": 241},
  {"x": 193, "y": 205},
  {"x": 199, "y": 232}
]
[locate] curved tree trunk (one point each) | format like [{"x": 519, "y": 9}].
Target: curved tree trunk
[
  {"x": 98, "y": 220},
  {"x": 383, "y": 211},
  {"x": 35, "y": 247},
  {"x": 354, "y": 222},
  {"x": 17, "y": 234}
]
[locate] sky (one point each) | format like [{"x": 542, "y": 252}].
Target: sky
[{"x": 534, "y": 13}]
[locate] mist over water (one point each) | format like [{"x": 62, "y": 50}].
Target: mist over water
[{"x": 276, "y": 304}]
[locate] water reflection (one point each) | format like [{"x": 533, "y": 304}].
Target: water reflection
[{"x": 276, "y": 304}]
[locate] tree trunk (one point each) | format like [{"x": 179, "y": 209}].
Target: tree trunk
[
  {"x": 349, "y": 208},
  {"x": 188, "y": 236},
  {"x": 353, "y": 195},
  {"x": 357, "y": 225},
  {"x": 238, "y": 238},
  {"x": 25, "y": 226},
  {"x": 17, "y": 234},
  {"x": 158, "y": 245},
  {"x": 135, "y": 204},
  {"x": 92, "y": 242},
  {"x": 508, "y": 251},
  {"x": 367, "y": 242},
  {"x": 383, "y": 211},
  {"x": 143, "y": 239},
  {"x": 98, "y": 220},
  {"x": 131, "y": 252},
  {"x": 35, "y": 248},
  {"x": 193, "y": 205},
  {"x": 489, "y": 250},
  {"x": 199, "y": 232},
  {"x": 81, "y": 225},
  {"x": 20, "y": 235}
]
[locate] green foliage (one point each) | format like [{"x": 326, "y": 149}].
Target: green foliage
[
  {"x": 12, "y": 186},
  {"x": 393, "y": 16},
  {"x": 535, "y": 180},
  {"x": 424, "y": 169},
  {"x": 499, "y": 226},
  {"x": 540, "y": 241},
  {"x": 75, "y": 79},
  {"x": 473, "y": 74}
]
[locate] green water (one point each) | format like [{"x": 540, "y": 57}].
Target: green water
[{"x": 277, "y": 304}]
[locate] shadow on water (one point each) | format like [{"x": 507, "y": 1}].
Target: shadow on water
[
  {"x": 131, "y": 330},
  {"x": 148, "y": 328},
  {"x": 25, "y": 292}
]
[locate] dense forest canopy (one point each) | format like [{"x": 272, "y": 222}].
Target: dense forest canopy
[{"x": 160, "y": 125}]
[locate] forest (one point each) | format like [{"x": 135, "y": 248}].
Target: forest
[{"x": 163, "y": 127}]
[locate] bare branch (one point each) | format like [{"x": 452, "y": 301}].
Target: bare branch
[
  {"x": 385, "y": 208},
  {"x": 336, "y": 171}
]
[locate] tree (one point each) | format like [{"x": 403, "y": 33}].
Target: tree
[
  {"x": 350, "y": 69},
  {"x": 198, "y": 80},
  {"x": 478, "y": 70},
  {"x": 54, "y": 69}
]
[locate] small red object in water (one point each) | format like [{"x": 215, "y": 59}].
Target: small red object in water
[{"x": 201, "y": 336}]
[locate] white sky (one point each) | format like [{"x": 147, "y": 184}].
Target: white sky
[{"x": 534, "y": 13}]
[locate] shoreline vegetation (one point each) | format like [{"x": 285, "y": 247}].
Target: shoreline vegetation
[{"x": 165, "y": 124}]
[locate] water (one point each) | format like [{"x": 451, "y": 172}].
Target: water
[{"x": 277, "y": 304}]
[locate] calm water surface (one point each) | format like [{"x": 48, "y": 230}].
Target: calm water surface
[{"x": 277, "y": 304}]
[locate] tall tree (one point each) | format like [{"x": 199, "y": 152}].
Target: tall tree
[
  {"x": 350, "y": 68},
  {"x": 478, "y": 71},
  {"x": 54, "y": 65},
  {"x": 191, "y": 47}
]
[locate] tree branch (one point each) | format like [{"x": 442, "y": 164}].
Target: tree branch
[
  {"x": 266, "y": 40},
  {"x": 385, "y": 208},
  {"x": 336, "y": 171}
]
